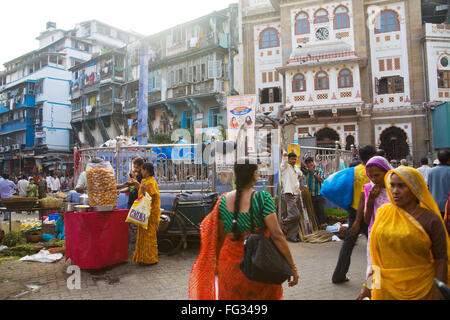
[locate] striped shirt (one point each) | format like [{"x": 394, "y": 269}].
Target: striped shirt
[
  {"x": 313, "y": 185},
  {"x": 243, "y": 218}
]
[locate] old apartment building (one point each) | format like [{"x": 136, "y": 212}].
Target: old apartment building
[{"x": 170, "y": 79}]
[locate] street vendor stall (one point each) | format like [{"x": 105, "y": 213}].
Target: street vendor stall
[
  {"x": 18, "y": 204},
  {"x": 95, "y": 240}
]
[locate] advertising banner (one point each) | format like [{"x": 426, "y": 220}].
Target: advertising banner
[
  {"x": 241, "y": 113},
  {"x": 295, "y": 148}
]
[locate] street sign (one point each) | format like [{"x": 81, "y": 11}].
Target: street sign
[{"x": 295, "y": 148}]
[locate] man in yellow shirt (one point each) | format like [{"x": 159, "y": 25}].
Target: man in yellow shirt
[{"x": 360, "y": 179}]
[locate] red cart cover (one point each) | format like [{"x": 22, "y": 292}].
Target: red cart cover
[{"x": 95, "y": 240}]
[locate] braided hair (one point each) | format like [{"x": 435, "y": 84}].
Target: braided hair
[{"x": 243, "y": 172}]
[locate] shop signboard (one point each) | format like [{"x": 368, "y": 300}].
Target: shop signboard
[{"x": 295, "y": 148}]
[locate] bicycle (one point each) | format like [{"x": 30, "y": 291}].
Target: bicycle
[{"x": 183, "y": 221}]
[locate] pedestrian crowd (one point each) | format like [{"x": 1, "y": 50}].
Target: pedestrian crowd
[
  {"x": 34, "y": 185},
  {"x": 402, "y": 211}
]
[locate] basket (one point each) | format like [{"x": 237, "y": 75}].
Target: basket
[
  {"x": 51, "y": 203},
  {"x": 49, "y": 228},
  {"x": 19, "y": 203},
  {"x": 34, "y": 237}
]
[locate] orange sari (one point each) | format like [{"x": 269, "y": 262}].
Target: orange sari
[{"x": 232, "y": 283}]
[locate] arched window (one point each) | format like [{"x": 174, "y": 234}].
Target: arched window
[
  {"x": 349, "y": 141},
  {"x": 345, "y": 79},
  {"x": 269, "y": 39},
  {"x": 299, "y": 83},
  {"x": 301, "y": 23},
  {"x": 321, "y": 81},
  {"x": 387, "y": 22},
  {"x": 320, "y": 16},
  {"x": 341, "y": 18}
]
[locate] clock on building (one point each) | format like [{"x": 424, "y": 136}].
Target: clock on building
[
  {"x": 444, "y": 62},
  {"x": 322, "y": 33}
]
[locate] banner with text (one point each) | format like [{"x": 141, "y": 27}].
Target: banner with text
[{"x": 240, "y": 114}]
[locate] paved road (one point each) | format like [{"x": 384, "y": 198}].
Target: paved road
[{"x": 168, "y": 280}]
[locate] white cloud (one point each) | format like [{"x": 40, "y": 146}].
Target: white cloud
[{"x": 23, "y": 20}]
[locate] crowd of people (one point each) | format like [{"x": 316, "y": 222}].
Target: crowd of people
[
  {"x": 34, "y": 185},
  {"x": 403, "y": 211}
]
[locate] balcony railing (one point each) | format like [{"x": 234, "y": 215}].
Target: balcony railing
[
  {"x": 108, "y": 109},
  {"x": 131, "y": 105},
  {"x": 206, "y": 87},
  {"x": 154, "y": 96},
  {"x": 203, "y": 87},
  {"x": 77, "y": 114}
]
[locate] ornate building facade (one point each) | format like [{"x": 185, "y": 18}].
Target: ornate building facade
[{"x": 352, "y": 70}]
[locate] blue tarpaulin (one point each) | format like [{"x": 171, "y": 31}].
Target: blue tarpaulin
[{"x": 441, "y": 125}]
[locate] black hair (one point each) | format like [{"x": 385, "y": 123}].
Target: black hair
[
  {"x": 243, "y": 173},
  {"x": 381, "y": 153},
  {"x": 308, "y": 160},
  {"x": 149, "y": 168},
  {"x": 292, "y": 155},
  {"x": 367, "y": 152},
  {"x": 354, "y": 164},
  {"x": 139, "y": 161},
  {"x": 424, "y": 161},
  {"x": 443, "y": 156},
  {"x": 6, "y": 176}
]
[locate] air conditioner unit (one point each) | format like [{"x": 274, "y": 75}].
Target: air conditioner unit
[
  {"x": 16, "y": 146},
  {"x": 2, "y": 149},
  {"x": 7, "y": 148}
]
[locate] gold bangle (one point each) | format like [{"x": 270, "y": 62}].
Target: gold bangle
[{"x": 365, "y": 286}]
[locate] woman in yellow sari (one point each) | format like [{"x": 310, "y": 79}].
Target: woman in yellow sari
[
  {"x": 409, "y": 244},
  {"x": 146, "y": 241}
]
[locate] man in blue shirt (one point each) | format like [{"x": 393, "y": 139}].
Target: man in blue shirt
[
  {"x": 439, "y": 180},
  {"x": 314, "y": 179},
  {"x": 7, "y": 189}
]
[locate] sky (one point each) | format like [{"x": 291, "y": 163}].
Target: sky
[{"x": 24, "y": 20}]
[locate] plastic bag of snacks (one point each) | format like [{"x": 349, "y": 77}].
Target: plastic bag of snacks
[
  {"x": 140, "y": 211},
  {"x": 101, "y": 184}
]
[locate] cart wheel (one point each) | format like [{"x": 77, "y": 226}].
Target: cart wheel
[{"x": 171, "y": 240}]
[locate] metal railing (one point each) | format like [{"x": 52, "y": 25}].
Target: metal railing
[
  {"x": 328, "y": 159},
  {"x": 176, "y": 172}
]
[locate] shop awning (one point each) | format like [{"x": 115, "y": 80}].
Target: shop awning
[{"x": 441, "y": 125}]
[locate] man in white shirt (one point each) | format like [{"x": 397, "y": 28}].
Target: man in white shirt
[
  {"x": 22, "y": 186},
  {"x": 47, "y": 179},
  {"x": 290, "y": 175},
  {"x": 424, "y": 169},
  {"x": 81, "y": 183},
  {"x": 55, "y": 184}
]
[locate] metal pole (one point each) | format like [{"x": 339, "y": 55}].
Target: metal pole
[
  {"x": 117, "y": 163},
  {"x": 213, "y": 141},
  {"x": 279, "y": 186},
  {"x": 337, "y": 156}
]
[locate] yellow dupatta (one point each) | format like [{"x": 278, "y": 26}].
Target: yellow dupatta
[{"x": 400, "y": 248}]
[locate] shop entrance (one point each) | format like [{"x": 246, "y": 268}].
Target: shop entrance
[
  {"x": 393, "y": 142},
  {"x": 326, "y": 138}
]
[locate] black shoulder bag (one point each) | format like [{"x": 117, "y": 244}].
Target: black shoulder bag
[{"x": 262, "y": 260}]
